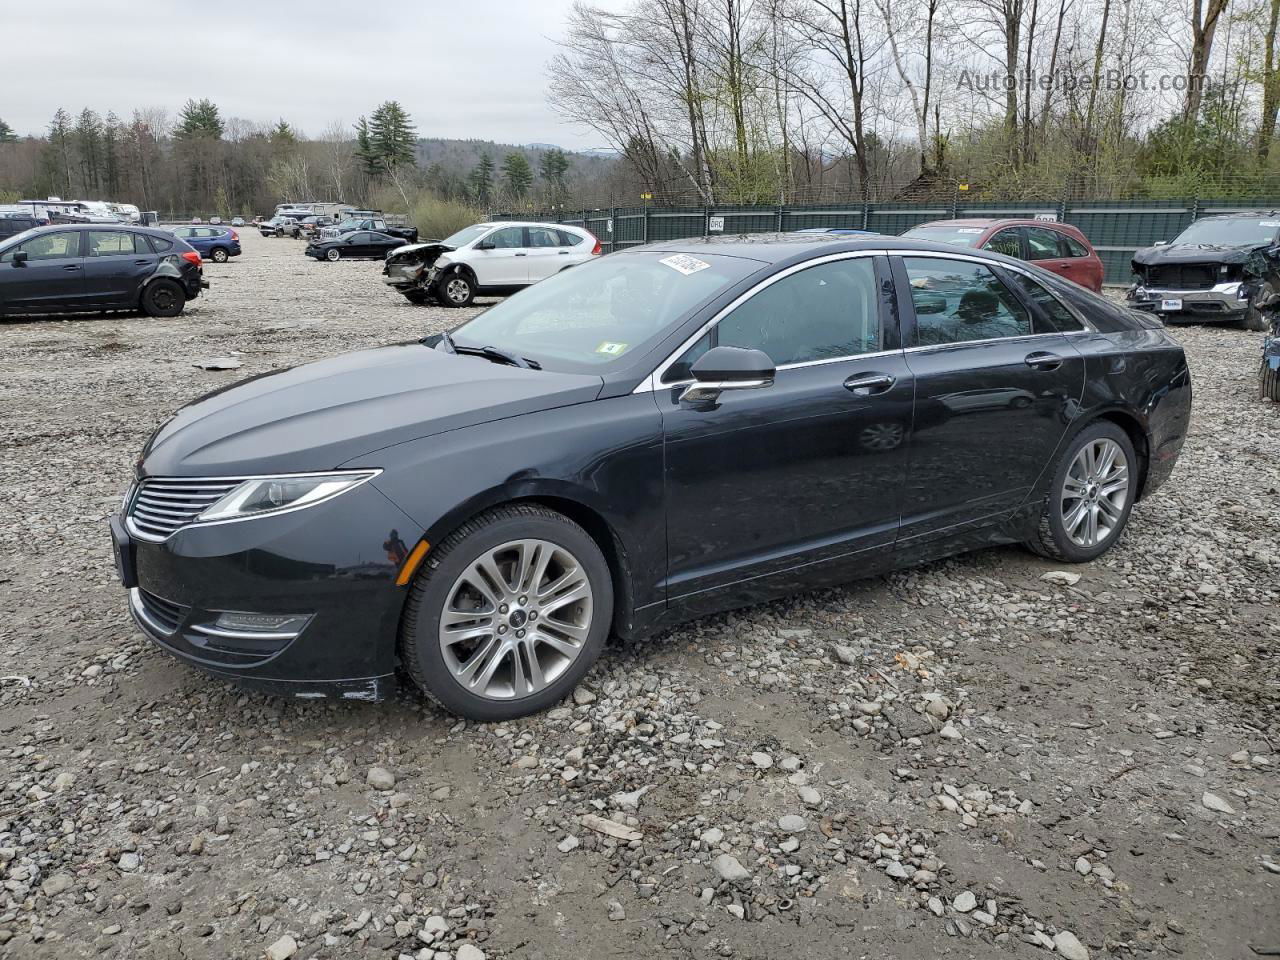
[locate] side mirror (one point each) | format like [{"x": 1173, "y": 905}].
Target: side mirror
[
  {"x": 728, "y": 368},
  {"x": 1161, "y": 243},
  {"x": 485, "y": 245},
  {"x": 928, "y": 301},
  {"x": 19, "y": 257}
]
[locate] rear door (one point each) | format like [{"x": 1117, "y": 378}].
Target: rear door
[
  {"x": 547, "y": 255},
  {"x": 52, "y": 277},
  {"x": 115, "y": 266},
  {"x": 1047, "y": 248},
  {"x": 505, "y": 262},
  {"x": 996, "y": 389}
]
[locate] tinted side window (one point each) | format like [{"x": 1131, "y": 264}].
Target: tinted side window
[
  {"x": 568, "y": 239},
  {"x": 1074, "y": 247},
  {"x": 509, "y": 239},
  {"x": 957, "y": 301},
  {"x": 1042, "y": 244},
  {"x": 542, "y": 237},
  {"x": 1057, "y": 318},
  {"x": 141, "y": 245},
  {"x": 1006, "y": 242},
  {"x": 821, "y": 313},
  {"x": 49, "y": 246},
  {"x": 161, "y": 243},
  {"x": 104, "y": 243}
]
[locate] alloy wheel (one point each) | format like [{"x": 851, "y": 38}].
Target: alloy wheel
[
  {"x": 456, "y": 290},
  {"x": 516, "y": 619},
  {"x": 1095, "y": 492}
]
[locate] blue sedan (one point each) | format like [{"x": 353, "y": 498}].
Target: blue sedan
[{"x": 215, "y": 243}]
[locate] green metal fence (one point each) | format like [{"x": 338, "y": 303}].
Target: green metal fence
[{"x": 1116, "y": 228}]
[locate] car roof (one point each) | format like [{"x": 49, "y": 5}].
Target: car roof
[
  {"x": 775, "y": 248},
  {"x": 528, "y": 223},
  {"x": 1241, "y": 215},
  {"x": 994, "y": 222}
]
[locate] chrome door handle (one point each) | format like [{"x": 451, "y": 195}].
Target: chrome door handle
[
  {"x": 869, "y": 383},
  {"x": 72, "y": 266},
  {"x": 1043, "y": 360},
  {"x": 521, "y": 254}
]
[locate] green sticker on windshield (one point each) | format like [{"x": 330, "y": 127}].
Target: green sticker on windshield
[{"x": 611, "y": 349}]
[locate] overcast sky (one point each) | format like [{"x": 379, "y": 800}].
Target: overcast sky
[{"x": 462, "y": 68}]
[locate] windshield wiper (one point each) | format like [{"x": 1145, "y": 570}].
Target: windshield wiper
[{"x": 498, "y": 356}]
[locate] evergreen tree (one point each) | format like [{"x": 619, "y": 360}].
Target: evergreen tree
[
  {"x": 111, "y": 139},
  {"x": 480, "y": 180},
  {"x": 88, "y": 137},
  {"x": 392, "y": 136},
  {"x": 6, "y": 133},
  {"x": 58, "y": 153},
  {"x": 517, "y": 174},
  {"x": 364, "y": 151},
  {"x": 199, "y": 120},
  {"x": 553, "y": 167}
]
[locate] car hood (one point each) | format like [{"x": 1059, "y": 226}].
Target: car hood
[
  {"x": 1195, "y": 253},
  {"x": 422, "y": 250},
  {"x": 322, "y": 415}
]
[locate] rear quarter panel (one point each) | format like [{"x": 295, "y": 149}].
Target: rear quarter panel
[{"x": 1141, "y": 373}]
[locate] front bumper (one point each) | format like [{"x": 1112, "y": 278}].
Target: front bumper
[
  {"x": 1221, "y": 302},
  {"x": 335, "y": 564}
]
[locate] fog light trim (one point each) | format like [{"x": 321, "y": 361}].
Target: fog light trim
[{"x": 232, "y": 625}]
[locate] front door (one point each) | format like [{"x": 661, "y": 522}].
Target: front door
[
  {"x": 503, "y": 262},
  {"x": 995, "y": 393},
  {"x": 52, "y": 276},
  {"x": 806, "y": 472},
  {"x": 115, "y": 265}
]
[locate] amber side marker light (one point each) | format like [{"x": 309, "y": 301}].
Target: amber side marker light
[{"x": 410, "y": 566}]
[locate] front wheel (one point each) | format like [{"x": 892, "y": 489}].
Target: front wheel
[
  {"x": 1091, "y": 496},
  {"x": 457, "y": 290},
  {"x": 507, "y": 614},
  {"x": 163, "y": 298},
  {"x": 333, "y": 254}
]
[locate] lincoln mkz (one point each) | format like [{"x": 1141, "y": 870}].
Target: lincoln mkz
[{"x": 656, "y": 435}]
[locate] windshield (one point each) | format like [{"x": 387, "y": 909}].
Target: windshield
[
  {"x": 1231, "y": 231},
  {"x": 465, "y": 236},
  {"x": 583, "y": 319},
  {"x": 959, "y": 236}
]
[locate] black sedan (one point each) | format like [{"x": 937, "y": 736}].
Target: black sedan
[
  {"x": 362, "y": 244},
  {"x": 72, "y": 268},
  {"x": 663, "y": 433}
]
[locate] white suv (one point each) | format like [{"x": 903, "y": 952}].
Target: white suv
[{"x": 487, "y": 259}]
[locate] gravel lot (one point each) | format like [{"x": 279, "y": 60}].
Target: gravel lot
[{"x": 978, "y": 758}]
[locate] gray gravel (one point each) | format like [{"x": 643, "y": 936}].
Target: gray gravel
[{"x": 976, "y": 758}]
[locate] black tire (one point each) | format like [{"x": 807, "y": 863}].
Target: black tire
[
  {"x": 1256, "y": 320},
  {"x": 419, "y": 645},
  {"x": 416, "y": 297},
  {"x": 219, "y": 255},
  {"x": 1051, "y": 538},
  {"x": 333, "y": 254},
  {"x": 456, "y": 289},
  {"x": 163, "y": 298},
  {"x": 1268, "y": 382}
]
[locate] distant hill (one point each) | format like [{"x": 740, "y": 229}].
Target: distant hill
[{"x": 460, "y": 156}]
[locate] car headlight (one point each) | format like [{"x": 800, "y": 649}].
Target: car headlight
[{"x": 265, "y": 495}]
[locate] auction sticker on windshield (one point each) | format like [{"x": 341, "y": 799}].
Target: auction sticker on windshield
[
  {"x": 612, "y": 349},
  {"x": 684, "y": 263}
]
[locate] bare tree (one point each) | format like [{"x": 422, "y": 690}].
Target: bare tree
[{"x": 1204, "y": 24}]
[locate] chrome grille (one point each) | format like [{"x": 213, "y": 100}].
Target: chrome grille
[{"x": 162, "y": 505}]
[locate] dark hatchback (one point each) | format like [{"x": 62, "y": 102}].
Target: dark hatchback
[
  {"x": 649, "y": 437},
  {"x": 74, "y": 268}
]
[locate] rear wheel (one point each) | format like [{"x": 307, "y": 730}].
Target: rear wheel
[
  {"x": 508, "y": 613},
  {"x": 457, "y": 290},
  {"x": 333, "y": 253},
  {"x": 1091, "y": 496},
  {"x": 1268, "y": 382},
  {"x": 219, "y": 255},
  {"x": 163, "y": 298}
]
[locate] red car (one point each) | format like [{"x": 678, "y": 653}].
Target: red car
[{"x": 1059, "y": 247}]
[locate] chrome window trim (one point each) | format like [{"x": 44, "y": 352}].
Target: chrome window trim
[
  {"x": 1088, "y": 327},
  {"x": 653, "y": 381}
]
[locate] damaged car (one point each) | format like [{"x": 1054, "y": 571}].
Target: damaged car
[
  {"x": 486, "y": 259},
  {"x": 1220, "y": 269}
]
